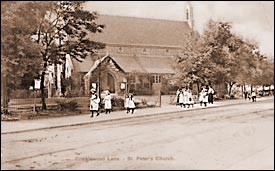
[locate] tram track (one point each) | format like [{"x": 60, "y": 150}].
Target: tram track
[{"x": 143, "y": 119}]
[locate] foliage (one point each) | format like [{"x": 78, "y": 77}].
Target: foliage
[
  {"x": 219, "y": 56},
  {"x": 36, "y": 34},
  {"x": 65, "y": 29},
  {"x": 67, "y": 105},
  {"x": 19, "y": 55},
  {"x": 118, "y": 102}
]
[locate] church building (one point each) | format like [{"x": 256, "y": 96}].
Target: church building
[{"x": 138, "y": 57}]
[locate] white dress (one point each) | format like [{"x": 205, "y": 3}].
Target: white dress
[
  {"x": 131, "y": 103},
  {"x": 185, "y": 97},
  {"x": 181, "y": 98},
  {"x": 94, "y": 104},
  {"x": 204, "y": 97},
  {"x": 126, "y": 104},
  {"x": 108, "y": 103},
  {"x": 201, "y": 97}
]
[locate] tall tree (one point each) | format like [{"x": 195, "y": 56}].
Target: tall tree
[
  {"x": 19, "y": 55},
  {"x": 63, "y": 30},
  {"x": 35, "y": 34},
  {"x": 219, "y": 56}
]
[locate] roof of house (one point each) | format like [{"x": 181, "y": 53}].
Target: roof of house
[{"x": 144, "y": 31}]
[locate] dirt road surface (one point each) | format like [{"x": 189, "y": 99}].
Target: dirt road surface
[{"x": 230, "y": 137}]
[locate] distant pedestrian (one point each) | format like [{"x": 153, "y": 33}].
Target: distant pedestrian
[
  {"x": 132, "y": 105},
  {"x": 190, "y": 98},
  {"x": 210, "y": 95},
  {"x": 185, "y": 97},
  {"x": 181, "y": 99},
  {"x": 201, "y": 96},
  {"x": 178, "y": 96},
  {"x": 205, "y": 97},
  {"x": 107, "y": 103},
  {"x": 94, "y": 104},
  {"x": 126, "y": 103},
  {"x": 249, "y": 96},
  {"x": 245, "y": 94},
  {"x": 253, "y": 96}
]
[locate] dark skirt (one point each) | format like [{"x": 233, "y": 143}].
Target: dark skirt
[{"x": 210, "y": 98}]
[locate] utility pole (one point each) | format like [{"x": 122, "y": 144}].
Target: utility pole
[
  {"x": 99, "y": 86},
  {"x": 4, "y": 93}
]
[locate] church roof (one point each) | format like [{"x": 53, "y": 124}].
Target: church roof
[
  {"x": 83, "y": 66},
  {"x": 132, "y": 64},
  {"x": 145, "y": 64},
  {"x": 139, "y": 31},
  {"x": 144, "y": 31}
]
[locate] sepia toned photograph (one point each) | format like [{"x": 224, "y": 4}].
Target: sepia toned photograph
[{"x": 137, "y": 85}]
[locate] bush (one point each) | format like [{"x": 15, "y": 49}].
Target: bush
[
  {"x": 68, "y": 105},
  {"x": 118, "y": 102}
]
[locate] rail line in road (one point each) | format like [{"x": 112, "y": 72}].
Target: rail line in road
[
  {"x": 142, "y": 119},
  {"x": 192, "y": 117},
  {"x": 175, "y": 117}
]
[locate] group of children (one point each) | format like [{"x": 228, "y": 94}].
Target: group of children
[
  {"x": 129, "y": 103},
  {"x": 95, "y": 103},
  {"x": 185, "y": 98},
  {"x": 206, "y": 96},
  {"x": 251, "y": 95}
]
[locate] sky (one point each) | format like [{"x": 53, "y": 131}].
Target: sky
[{"x": 253, "y": 20}]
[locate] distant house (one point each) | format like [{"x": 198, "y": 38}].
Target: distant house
[{"x": 138, "y": 55}]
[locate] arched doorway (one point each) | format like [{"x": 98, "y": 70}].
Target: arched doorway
[{"x": 111, "y": 82}]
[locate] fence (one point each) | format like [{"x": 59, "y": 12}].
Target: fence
[{"x": 30, "y": 107}]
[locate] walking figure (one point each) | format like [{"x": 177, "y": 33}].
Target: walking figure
[
  {"x": 126, "y": 103},
  {"x": 181, "y": 99},
  {"x": 253, "y": 96},
  {"x": 94, "y": 104},
  {"x": 201, "y": 96},
  {"x": 185, "y": 97},
  {"x": 107, "y": 103},
  {"x": 190, "y": 98},
  {"x": 131, "y": 103},
  {"x": 178, "y": 96},
  {"x": 245, "y": 94},
  {"x": 210, "y": 95},
  {"x": 205, "y": 97}
]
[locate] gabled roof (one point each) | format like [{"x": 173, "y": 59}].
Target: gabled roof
[
  {"x": 131, "y": 64},
  {"x": 145, "y": 64},
  {"x": 143, "y": 31},
  {"x": 83, "y": 66},
  {"x": 98, "y": 62}
]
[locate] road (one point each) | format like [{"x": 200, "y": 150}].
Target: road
[{"x": 230, "y": 137}]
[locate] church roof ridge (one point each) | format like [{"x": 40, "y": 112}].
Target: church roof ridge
[
  {"x": 145, "y": 18},
  {"x": 145, "y": 31}
]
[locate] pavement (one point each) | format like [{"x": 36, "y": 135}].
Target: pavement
[{"x": 8, "y": 127}]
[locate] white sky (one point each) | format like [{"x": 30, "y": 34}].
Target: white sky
[{"x": 253, "y": 20}]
